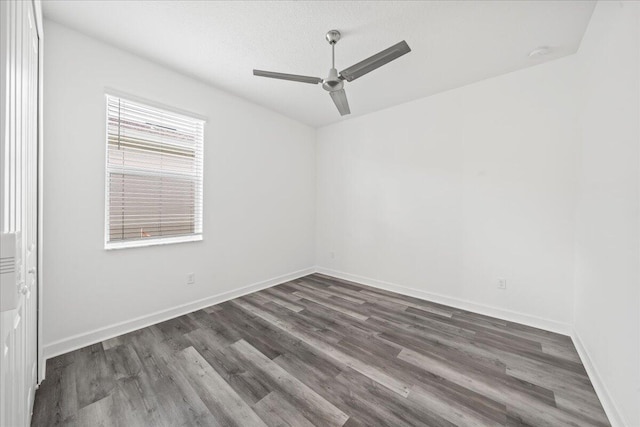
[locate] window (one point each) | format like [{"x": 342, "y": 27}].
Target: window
[{"x": 153, "y": 175}]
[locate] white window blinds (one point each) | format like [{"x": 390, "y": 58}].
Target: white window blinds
[{"x": 153, "y": 175}]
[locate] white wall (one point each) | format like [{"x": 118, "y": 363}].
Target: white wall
[
  {"x": 607, "y": 297},
  {"x": 259, "y": 201},
  {"x": 447, "y": 194}
]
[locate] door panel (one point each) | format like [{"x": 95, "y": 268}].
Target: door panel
[{"x": 19, "y": 78}]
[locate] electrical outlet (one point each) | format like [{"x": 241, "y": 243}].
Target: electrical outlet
[
  {"x": 191, "y": 279},
  {"x": 502, "y": 283}
]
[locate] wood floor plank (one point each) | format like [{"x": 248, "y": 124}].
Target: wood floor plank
[
  {"x": 371, "y": 371},
  {"x": 94, "y": 378},
  {"x": 251, "y": 388},
  {"x": 451, "y": 410},
  {"x": 459, "y": 349},
  {"x": 560, "y": 381},
  {"x": 57, "y": 403},
  {"x": 374, "y": 301},
  {"x": 584, "y": 409},
  {"x": 410, "y": 303},
  {"x": 286, "y": 303},
  {"x": 276, "y": 291},
  {"x": 392, "y": 409},
  {"x": 276, "y": 411},
  {"x": 323, "y": 351},
  {"x": 134, "y": 405},
  {"x": 223, "y": 402},
  {"x": 466, "y": 325},
  {"x": 327, "y": 292},
  {"x": 99, "y": 413},
  {"x": 333, "y": 305},
  {"x": 363, "y": 409},
  {"x": 562, "y": 351},
  {"x": 310, "y": 403},
  {"x": 163, "y": 385},
  {"x": 337, "y": 324},
  {"x": 250, "y": 331},
  {"x": 529, "y": 407},
  {"x": 303, "y": 320},
  {"x": 123, "y": 361}
]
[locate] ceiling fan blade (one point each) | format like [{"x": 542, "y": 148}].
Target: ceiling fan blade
[
  {"x": 375, "y": 61},
  {"x": 283, "y": 76},
  {"x": 340, "y": 99}
]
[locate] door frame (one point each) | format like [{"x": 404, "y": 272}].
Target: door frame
[{"x": 41, "y": 363}]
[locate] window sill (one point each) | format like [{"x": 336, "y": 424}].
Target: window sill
[{"x": 152, "y": 242}]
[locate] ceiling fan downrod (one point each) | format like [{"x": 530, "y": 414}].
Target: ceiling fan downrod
[{"x": 333, "y": 81}]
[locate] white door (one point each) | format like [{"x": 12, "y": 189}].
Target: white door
[{"x": 19, "y": 46}]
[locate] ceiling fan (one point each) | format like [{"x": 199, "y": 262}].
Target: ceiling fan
[{"x": 334, "y": 83}]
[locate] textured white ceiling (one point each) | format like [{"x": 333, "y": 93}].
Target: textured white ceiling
[{"x": 453, "y": 43}]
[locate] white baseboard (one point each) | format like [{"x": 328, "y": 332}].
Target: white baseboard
[
  {"x": 511, "y": 316},
  {"x": 610, "y": 408},
  {"x": 75, "y": 342}
]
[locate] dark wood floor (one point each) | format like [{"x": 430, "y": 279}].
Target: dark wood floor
[{"x": 325, "y": 352}]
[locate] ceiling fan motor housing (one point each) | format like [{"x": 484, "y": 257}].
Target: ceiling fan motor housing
[
  {"x": 333, "y": 36},
  {"x": 332, "y": 82}
]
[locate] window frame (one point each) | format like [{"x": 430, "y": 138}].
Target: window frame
[{"x": 199, "y": 196}]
